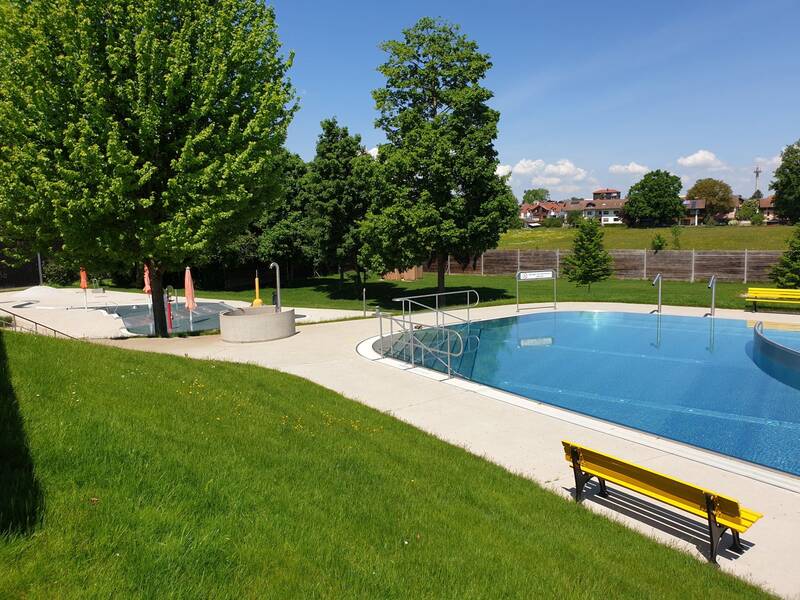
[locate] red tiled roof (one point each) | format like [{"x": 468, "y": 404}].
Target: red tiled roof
[{"x": 768, "y": 202}]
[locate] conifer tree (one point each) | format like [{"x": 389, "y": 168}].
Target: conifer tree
[
  {"x": 786, "y": 273},
  {"x": 589, "y": 261}
]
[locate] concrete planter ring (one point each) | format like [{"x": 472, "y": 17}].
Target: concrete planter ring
[{"x": 256, "y": 324}]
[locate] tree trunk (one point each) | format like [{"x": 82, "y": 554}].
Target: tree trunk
[
  {"x": 159, "y": 310},
  {"x": 441, "y": 269}
]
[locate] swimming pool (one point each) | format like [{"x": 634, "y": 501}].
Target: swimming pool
[
  {"x": 689, "y": 379},
  {"x": 138, "y": 318}
]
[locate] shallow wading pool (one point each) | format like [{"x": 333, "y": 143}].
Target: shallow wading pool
[{"x": 689, "y": 379}]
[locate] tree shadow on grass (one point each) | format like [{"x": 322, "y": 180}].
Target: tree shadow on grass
[
  {"x": 381, "y": 293},
  {"x": 20, "y": 493}
]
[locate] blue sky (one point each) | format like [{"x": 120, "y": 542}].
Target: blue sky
[{"x": 591, "y": 94}]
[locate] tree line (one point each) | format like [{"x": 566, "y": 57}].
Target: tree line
[{"x": 152, "y": 132}]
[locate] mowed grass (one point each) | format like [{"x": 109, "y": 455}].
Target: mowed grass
[
  {"x": 772, "y": 237},
  {"x": 127, "y": 474},
  {"x": 326, "y": 292}
]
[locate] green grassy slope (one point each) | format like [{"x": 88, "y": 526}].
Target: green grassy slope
[
  {"x": 772, "y": 237},
  {"x": 149, "y": 476}
]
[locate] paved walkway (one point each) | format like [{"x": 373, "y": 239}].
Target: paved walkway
[
  {"x": 524, "y": 436},
  {"x": 80, "y": 315}
]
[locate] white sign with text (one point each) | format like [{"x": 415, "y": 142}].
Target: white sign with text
[{"x": 532, "y": 275}]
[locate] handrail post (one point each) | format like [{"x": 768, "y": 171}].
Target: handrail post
[
  {"x": 712, "y": 284},
  {"x": 657, "y": 280},
  {"x": 380, "y": 328}
]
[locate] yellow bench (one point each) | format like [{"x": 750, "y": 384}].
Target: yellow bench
[
  {"x": 720, "y": 511},
  {"x": 772, "y": 296}
]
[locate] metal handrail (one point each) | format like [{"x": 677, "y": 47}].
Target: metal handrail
[
  {"x": 657, "y": 280},
  {"x": 36, "y": 326},
  {"x": 712, "y": 285},
  {"x": 407, "y": 327},
  {"x": 414, "y": 300}
]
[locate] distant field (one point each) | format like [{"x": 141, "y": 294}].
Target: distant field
[{"x": 692, "y": 238}]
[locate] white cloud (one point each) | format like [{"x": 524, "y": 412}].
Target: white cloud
[
  {"x": 373, "y": 152},
  {"x": 565, "y": 168},
  {"x": 702, "y": 158},
  {"x": 632, "y": 168},
  {"x": 527, "y": 166},
  {"x": 502, "y": 170}
]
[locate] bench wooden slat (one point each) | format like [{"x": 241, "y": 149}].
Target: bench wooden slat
[{"x": 727, "y": 512}]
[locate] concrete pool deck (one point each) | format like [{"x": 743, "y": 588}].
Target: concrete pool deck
[
  {"x": 63, "y": 309},
  {"x": 524, "y": 436}
]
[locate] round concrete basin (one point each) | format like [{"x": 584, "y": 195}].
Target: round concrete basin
[{"x": 256, "y": 324}]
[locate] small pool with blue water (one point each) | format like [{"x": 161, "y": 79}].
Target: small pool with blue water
[
  {"x": 689, "y": 379},
  {"x": 139, "y": 318}
]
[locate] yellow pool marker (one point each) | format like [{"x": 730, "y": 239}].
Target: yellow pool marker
[{"x": 258, "y": 301}]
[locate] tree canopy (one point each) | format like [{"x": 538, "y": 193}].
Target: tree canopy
[
  {"x": 337, "y": 191},
  {"x": 535, "y": 195},
  {"x": 141, "y": 131},
  {"x": 654, "y": 200},
  {"x": 440, "y": 194},
  {"x": 786, "y": 184},
  {"x": 717, "y": 195}
]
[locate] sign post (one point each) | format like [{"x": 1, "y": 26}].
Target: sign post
[{"x": 538, "y": 276}]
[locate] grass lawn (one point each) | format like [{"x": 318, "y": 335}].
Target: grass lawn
[
  {"x": 228, "y": 480},
  {"x": 326, "y": 292},
  {"x": 772, "y": 237}
]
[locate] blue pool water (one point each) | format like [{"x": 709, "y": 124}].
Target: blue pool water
[
  {"x": 139, "y": 318},
  {"x": 689, "y": 379}
]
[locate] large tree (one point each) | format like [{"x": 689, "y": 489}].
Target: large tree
[
  {"x": 654, "y": 200},
  {"x": 717, "y": 195},
  {"x": 440, "y": 194},
  {"x": 786, "y": 184},
  {"x": 339, "y": 188},
  {"x": 143, "y": 130},
  {"x": 283, "y": 229},
  {"x": 535, "y": 195}
]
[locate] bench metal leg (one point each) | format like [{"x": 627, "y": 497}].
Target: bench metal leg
[
  {"x": 736, "y": 546},
  {"x": 603, "y": 490},
  {"x": 715, "y": 531},
  {"x": 580, "y": 477}
]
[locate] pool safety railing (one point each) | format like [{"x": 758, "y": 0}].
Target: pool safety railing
[
  {"x": 433, "y": 302},
  {"x": 657, "y": 280},
  {"x": 406, "y": 334},
  {"x": 712, "y": 285},
  {"x": 16, "y": 322}
]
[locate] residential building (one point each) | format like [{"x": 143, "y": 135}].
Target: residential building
[
  {"x": 766, "y": 206},
  {"x": 539, "y": 211},
  {"x": 606, "y": 194}
]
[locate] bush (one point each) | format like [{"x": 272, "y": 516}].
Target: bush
[
  {"x": 757, "y": 219},
  {"x": 658, "y": 243},
  {"x": 574, "y": 217},
  {"x": 676, "y": 231},
  {"x": 552, "y": 222},
  {"x": 58, "y": 271},
  {"x": 747, "y": 211}
]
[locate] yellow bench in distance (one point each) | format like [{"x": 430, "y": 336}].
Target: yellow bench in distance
[
  {"x": 720, "y": 511},
  {"x": 772, "y": 296}
]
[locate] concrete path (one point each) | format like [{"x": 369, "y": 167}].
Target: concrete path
[
  {"x": 70, "y": 311},
  {"x": 524, "y": 436}
]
